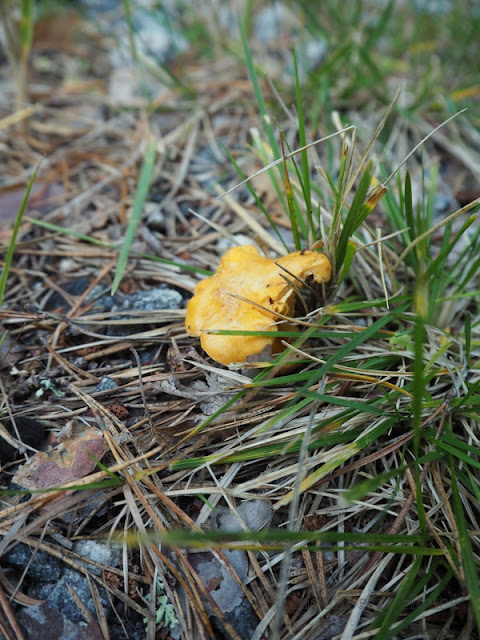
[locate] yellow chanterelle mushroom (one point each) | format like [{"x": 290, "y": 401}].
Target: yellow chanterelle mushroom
[{"x": 245, "y": 273}]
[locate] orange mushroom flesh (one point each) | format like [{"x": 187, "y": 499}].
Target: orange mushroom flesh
[{"x": 224, "y": 301}]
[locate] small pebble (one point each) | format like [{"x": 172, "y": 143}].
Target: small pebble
[
  {"x": 97, "y": 551},
  {"x": 106, "y": 384}
]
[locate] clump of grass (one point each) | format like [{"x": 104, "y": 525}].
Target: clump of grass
[
  {"x": 387, "y": 382},
  {"x": 368, "y": 450}
]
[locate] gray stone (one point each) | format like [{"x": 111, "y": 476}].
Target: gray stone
[
  {"x": 155, "y": 299},
  {"x": 255, "y": 514},
  {"x": 243, "y": 619},
  {"x": 59, "y": 597},
  {"x": 155, "y": 216},
  {"x": 106, "y": 384},
  {"x": 97, "y": 551},
  {"x": 42, "y": 567},
  {"x": 218, "y": 580}
]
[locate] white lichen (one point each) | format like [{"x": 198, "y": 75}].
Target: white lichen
[{"x": 164, "y": 610}]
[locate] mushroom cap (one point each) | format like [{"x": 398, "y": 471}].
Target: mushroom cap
[{"x": 244, "y": 272}]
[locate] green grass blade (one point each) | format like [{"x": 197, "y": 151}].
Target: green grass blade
[
  {"x": 470, "y": 482},
  {"x": 467, "y": 458},
  {"x": 253, "y": 193},
  {"x": 280, "y": 537},
  {"x": 471, "y": 274},
  {"x": 468, "y": 339},
  {"x": 13, "y": 239},
  {"x": 403, "y": 595},
  {"x": 380, "y": 28},
  {"x": 358, "y": 405},
  {"x": 419, "y": 384},
  {"x": 468, "y": 253},
  {"x": 299, "y": 217},
  {"x": 347, "y": 262},
  {"x": 408, "y": 204},
  {"x": 306, "y": 187},
  {"x": 284, "y": 334},
  {"x": 354, "y": 219},
  {"x": 432, "y": 597},
  {"x": 470, "y": 398},
  {"x": 291, "y": 204},
  {"x": 100, "y": 485},
  {"x": 348, "y": 348},
  {"x": 27, "y": 20},
  {"x": 363, "y": 488},
  {"x": 469, "y": 563},
  {"x": 131, "y": 29},
  {"x": 258, "y": 95},
  {"x": 144, "y": 180},
  {"x": 260, "y": 452}
]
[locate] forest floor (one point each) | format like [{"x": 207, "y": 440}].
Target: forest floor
[{"x": 324, "y": 488}]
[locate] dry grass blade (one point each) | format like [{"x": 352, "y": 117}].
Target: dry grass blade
[{"x": 287, "y": 156}]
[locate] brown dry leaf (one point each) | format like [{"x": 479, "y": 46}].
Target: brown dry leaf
[
  {"x": 43, "y": 621},
  {"x": 56, "y": 32},
  {"x": 43, "y": 199},
  {"x": 69, "y": 460}
]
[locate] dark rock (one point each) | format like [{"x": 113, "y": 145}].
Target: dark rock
[
  {"x": 57, "y": 594},
  {"x": 74, "y": 288},
  {"x": 59, "y": 597},
  {"x": 42, "y": 621},
  {"x": 43, "y": 567},
  {"x": 243, "y": 619},
  {"x": 31, "y": 431},
  {"x": 333, "y": 626},
  {"x": 133, "y": 627}
]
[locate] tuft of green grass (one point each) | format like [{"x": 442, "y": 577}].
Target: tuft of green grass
[
  {"x": 367, "y": 47},
  {"x": 399, "y": 330}
]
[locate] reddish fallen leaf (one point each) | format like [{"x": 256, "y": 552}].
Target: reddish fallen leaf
[
  {"x": 69, "y": 460},
  {"x": 43, "y": 621}
]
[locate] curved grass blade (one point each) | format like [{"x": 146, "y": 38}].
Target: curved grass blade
[
  {"x": 355, "y": 217},
  {"x": 258, "y": 94},
  {"x": 305, "y": 183},
  {"x": 145, "y": 178},
  {"x": 13, "y": 239}
]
